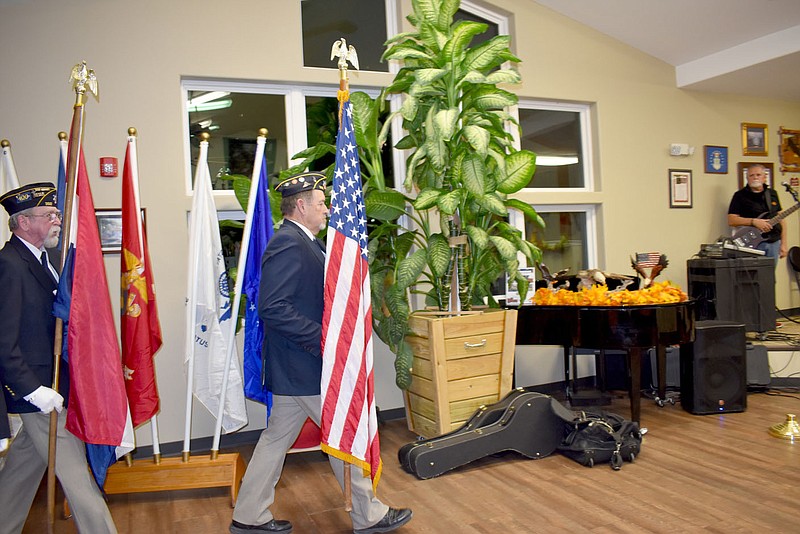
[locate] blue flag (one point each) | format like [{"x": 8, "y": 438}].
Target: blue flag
[
  {"x": 260, "y": 233},
  {"x": 61, "y": 186}
]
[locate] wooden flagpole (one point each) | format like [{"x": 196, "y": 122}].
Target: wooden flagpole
[{"x": 82, "y": 78}]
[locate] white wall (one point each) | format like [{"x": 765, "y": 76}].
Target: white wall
[{"x": 141, "y": 51}]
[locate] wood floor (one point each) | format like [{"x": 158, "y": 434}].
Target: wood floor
[{"x": 709, "y": 474}]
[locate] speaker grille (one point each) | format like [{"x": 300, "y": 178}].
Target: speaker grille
[{"x": 713, "y": 370}]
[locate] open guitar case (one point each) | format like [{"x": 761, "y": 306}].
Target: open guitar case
[{"x": 524, "y": 421}]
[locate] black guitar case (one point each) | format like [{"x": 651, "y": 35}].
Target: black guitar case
[{"x": 527, "y": 422}]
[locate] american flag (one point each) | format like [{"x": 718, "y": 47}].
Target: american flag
[
  {"x": 349, "y": 420},
  {"x": 648, "y": 259}
]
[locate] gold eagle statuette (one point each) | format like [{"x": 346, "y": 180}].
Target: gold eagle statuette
[
  {"x": 344, "y": 53},
  {"x": 82, "y": 77}
]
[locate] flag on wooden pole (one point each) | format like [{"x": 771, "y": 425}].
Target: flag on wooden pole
[
  {"x": 8, "y": 181},
  {"x": 209, "y": 310},
  {"x": 139, "y": 325},
  {"x": 98, "y": 406},
  {"x": 349, "y": 420}
]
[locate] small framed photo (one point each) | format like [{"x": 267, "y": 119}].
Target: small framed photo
[
  {"x": 769, "y": 170},
  {"x": 790, "y": 150},
  {"x": 109, "y": 225},
  {"x": 755, "y": 141},
  {"x": 680, "y": 188},
  {"x": 716, "y": 159}
]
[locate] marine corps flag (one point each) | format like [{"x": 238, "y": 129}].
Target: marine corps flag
[{"x": 139, "y": 325}]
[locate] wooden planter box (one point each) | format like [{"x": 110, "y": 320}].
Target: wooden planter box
[{"x": 461, "y": 362}]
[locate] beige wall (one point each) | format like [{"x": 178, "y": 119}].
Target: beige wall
[{"x": 141, "y": 50}]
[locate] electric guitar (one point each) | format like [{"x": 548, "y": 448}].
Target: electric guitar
[{"x": 748, "y": 236}]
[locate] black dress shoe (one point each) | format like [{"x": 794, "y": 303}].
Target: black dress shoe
[
  {"x": 394, "y": 519},
  {"x": 274, "y": 525}
]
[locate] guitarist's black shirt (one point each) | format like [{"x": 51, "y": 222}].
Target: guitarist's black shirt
[{"x": 748, "y": 204}]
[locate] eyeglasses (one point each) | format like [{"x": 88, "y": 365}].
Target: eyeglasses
[{"x": 51, "y": 216}]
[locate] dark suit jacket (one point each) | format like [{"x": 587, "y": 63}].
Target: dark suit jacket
[
  {"x": 27, "y": 327},
  {"x": 290, "y": 304}
]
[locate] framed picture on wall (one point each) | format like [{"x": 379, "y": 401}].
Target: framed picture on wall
[
  {"x": 109, "y": 225},
  {"x": 769, "y": 170},
  {"x": 715, "y": 159},
  {"x": 790, "y": 150},
  {"x": 680, "y": 188},
  {"x": 755, "y": 140}
]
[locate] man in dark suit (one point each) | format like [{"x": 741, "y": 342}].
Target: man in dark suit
[
  {"x": 290, "y": 304},
  {"x": 27, "y": 330}
]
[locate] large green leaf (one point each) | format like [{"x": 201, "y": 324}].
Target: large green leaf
[
  {"x": 520, "y": 167},
  {"x": 478, "y": 138},
  {"x": 385, "y": 205},
  {"x": 472, "y": 174},
  {"x": 428, "y": 76},
  {"x": 403, "y": 244},
  {"x": 438, "y": 254},
  {"x": 365, "y": 120},
  {"x": 526, "y": 209},
  {"x": 503, "y": 76},
  {"x": 488, "y": 54},
  {"x": 426, "y": 198},
  {"x": 402, "y": 365},
  {"x": 445, "y": 122},
  {"x": 449, "y": 202},
  {"x": 463, "y": 32},
  {"x": 479, "y": 236},
  {"x": 491, "y": 202},
  {"x": 410, "y": 268},
  {"x": 491, "y": 98},
  {"x": 507, "y": 249}
]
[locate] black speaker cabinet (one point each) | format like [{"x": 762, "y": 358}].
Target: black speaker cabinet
[{"x": 714, "y": 369}]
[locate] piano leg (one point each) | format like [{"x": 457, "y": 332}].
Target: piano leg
[
  {"x": 661, "y": 363},
  {"x": 635, "y": 366}
]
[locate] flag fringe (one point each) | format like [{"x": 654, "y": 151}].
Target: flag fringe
[{"x": 349, "y": 458}]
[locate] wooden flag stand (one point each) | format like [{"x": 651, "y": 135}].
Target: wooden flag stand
[{"x": 145, "y": 475}]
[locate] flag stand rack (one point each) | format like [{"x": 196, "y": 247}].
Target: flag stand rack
[{"x": 144, "y": 475}]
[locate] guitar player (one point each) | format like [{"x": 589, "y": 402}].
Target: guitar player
[{"x": 753, "y": 206}]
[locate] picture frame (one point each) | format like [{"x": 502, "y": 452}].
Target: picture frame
[
  {"x": 715, "y": 159},
  {"x": 790, "y": 150},
  {"x": 109, "y": 226},
  {"x": 755, "y": 139},
  {"x": 742, "y": 167},
  {"x": 680, "y": 188}
]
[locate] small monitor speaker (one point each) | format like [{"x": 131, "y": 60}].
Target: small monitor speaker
[{"x": 714, "y": 369}]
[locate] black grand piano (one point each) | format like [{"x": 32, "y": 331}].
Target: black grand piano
[{"x": 631, "y": 328}]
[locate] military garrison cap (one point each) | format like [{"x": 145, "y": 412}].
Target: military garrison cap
[
  {"x": 29, "y": 196},
  {"x": 298, "y": 183}
]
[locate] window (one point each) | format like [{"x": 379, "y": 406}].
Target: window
[
  {"x": 361, "y": 23},
  {"x": 558, "y": 134},
  {"x": 567, "y": 241}
]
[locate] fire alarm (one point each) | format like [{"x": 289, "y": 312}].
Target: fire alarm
[{"x": 108, "y": 167}]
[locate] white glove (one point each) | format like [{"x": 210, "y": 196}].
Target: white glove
[
  {"x": 46, "y": 399},
  {"x": 3, "y": 444}
]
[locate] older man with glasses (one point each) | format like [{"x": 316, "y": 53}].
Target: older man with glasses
[{"x": 27, "y": 333}]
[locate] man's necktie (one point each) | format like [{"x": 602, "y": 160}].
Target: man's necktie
[{"x": 46, "y": 265}]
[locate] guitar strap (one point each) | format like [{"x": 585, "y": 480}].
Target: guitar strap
[{"x": 768, "y": 198}]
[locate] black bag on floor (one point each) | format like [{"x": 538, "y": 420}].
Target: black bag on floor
[{"x": 593, "y": 438}]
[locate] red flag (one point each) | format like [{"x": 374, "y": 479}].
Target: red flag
[
  {"x": 349, "y": 420},
  {"x": 139, "y": 325},
  {"x": 98, "y": 406}
]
